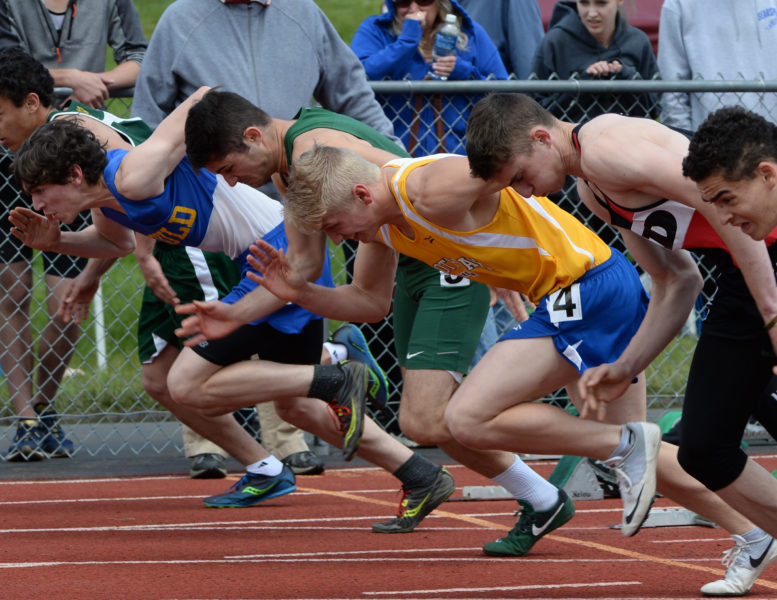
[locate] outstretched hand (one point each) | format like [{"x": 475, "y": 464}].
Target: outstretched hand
[
  {"x": 278, "y": 275},
  {"x": 600, "y": 385},
  {"x": 74, "y": 305},
  {"x": 32, "y": 228},
  {"x": 209, "y": 321}
]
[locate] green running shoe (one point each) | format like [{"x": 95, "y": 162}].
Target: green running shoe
[
  {"x": 531, "y": 526},
  {"x": 418, "y": 503},
  {"x": 349, "y": 405},
  {"x": 253, "y": 489}
]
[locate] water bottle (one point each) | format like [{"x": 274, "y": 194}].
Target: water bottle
[{"x": 445, "y": 41}]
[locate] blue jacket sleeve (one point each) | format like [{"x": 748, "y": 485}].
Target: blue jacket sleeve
[{"x": 384, "y": 56}]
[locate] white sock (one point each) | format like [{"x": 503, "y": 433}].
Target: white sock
[
  {"x": 526, "y": 484},
  {"x": 267, "y": 466},
  {"x": 338, "y": 352},
  {"x": 758, "y": 539}
]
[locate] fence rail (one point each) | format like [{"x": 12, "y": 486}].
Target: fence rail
[{"x": 102, "y": 390}]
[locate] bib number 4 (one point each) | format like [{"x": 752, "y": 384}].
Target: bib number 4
[{"x": 564, "y": 304}]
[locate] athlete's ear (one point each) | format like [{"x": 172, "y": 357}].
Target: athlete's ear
[
  {"x": 252, "y": 135},
  {"x": 768, "y": 170},
  {"x": 538, "y": 134},
  {"x": 362, "y": 193},
  {"x": 76, "y": 175}
]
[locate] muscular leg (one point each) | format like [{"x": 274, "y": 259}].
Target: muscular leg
[
  {"x": 425, "y": 396},
  {"x": 493, "y": 408}
]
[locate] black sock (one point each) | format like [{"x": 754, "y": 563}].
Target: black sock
[
  {"x": 327, "y": 379},
  {"x": 417, "y": 472}
]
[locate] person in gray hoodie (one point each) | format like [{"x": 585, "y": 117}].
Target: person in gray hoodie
[
  {"x": 589, "y": 41},
  {"x": 713, "y": 40}
]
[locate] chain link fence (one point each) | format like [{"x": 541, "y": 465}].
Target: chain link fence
[{"x": 101, "y": 398}]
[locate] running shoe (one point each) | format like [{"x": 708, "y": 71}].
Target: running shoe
[
  {"x": 349, "y": 403},
  {"x": 28, "y": 442},
  {"x": 253, "y": 489},
  {"x": 55, "y": 444},
  {"x": 352, "y": 338},
  {"x": 208, "y": 466},
  {"x": 636, "y": 473},
  {"x": 305, "y": 463},
  {"x": 743, "y": 566},
  {"x": 531, "y": 526},
  {"x": 418, "y": 503}
]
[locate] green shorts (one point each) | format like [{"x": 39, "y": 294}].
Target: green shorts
[
  {"x": 437, "y": 320},
  {"x": 194, "y": 275}
]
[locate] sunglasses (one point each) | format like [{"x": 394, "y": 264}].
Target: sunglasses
[{"x": 406, "y": 3}]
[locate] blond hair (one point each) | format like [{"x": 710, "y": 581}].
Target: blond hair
[{"x": 322, "y": 181}]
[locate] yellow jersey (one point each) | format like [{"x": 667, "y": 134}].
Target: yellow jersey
[{"x": 531, "y": 245}]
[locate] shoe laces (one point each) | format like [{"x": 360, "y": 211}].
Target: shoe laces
[
  {"x": 404, "y": 501},
  {"x": 731, "y": 556},
  {"x": 525, "y": 519},
  {"x": 616, "y": 466}
]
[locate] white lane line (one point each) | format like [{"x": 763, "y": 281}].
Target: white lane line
[{"x": 503, "y": 588}]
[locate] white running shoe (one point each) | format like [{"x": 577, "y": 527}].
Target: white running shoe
[
  {"x": 743, "y": 567},
  {"x": 636, "y": 473}
]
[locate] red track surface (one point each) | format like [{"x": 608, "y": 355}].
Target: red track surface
[{"x": 151, "y": 538}]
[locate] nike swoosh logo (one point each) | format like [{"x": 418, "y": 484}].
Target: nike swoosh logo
[
  {"x": 630, "y": 516},
  {"x": 757, "y": 562},
  {"x": 538, "y": 531},
  {"x": 414, "y": 354}
]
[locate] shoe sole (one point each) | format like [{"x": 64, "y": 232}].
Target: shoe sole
[
  {"x": 265, "y": 497},
  {"x": 652, "y": 434},
  {"x": 425, "y": 514},
  {"x": 207, "y": 474}
]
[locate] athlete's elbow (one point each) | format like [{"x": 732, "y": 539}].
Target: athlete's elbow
[{"x": 125, "y": 246}]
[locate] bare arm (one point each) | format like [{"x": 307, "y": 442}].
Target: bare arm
[
  {"x": 366, "y": 299},
  {"x": 103, "y": 239},
  {"x": 143, "y": 171}
]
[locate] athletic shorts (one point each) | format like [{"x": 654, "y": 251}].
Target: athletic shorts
[
  {"x": 437, "y": 319},
  {"x": 303, "y": 348},
  {"x": 194, "y": 275},
  {"x": 13, "y": 250},
  {"x": 593, "y": 320}
]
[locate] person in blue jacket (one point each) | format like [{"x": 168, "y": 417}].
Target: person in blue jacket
[{"x": 397, "y": 44}]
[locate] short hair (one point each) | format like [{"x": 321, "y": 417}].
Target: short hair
[
  {"x": 498, "y": 129},
  {"x": 215, "y": 125},
  {"x": 49, "y": 154},
  {"x": 21, "y": 74},
  {"x": 730, "y": 142},
  {"x": 322, "y": 181}
]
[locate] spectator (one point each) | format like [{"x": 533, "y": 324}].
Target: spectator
[
  {"x": 515, "y": 27},
  {"x": 398, "y": 44},
  {"x": 716, "y": 40},
  {"x": 181, "y": 58},
  {"x": 78, "y": 62},
  {"x": 70, "y": 40},
  {"x": 591, "y": 39}
]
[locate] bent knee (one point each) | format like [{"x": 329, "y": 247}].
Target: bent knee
[
  {"x": 714, "y": 467},
  {"x": 465, "y": 428}
]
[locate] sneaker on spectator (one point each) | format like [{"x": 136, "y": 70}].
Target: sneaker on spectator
[
  {"x": 418, "y": 503},
  {"x": 28, "y": 442},
  {"x": 253, "y": 489},
  {"x": 636, "y": 473},
  {"x": 352, "y": 338},
  {"x": 304, "y": 463},
  {"x": 531, "y": 526},
  {"x": 55, "y": 444},
  {"x": 208, "y": 466},
  {"x": 743, "y": 566}
]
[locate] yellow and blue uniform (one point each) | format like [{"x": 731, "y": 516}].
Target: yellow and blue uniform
[{"x": 589, "y": 297}]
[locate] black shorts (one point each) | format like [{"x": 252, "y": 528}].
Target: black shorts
[
  {"x": 12, "y": 249},
  {"x": 303, "y": 348}
]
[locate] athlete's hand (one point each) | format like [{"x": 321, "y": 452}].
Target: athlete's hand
[
  {"x": 34, "y": 229},
  {"x": 600, "y": 385},
  {"x": 79, "y": 292},
  {"x": 156, "y": 280},
  {"x": 278, "y": 275},
  {"x": 514, "y": 301},
  {"x": 209, "y": 321}
]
